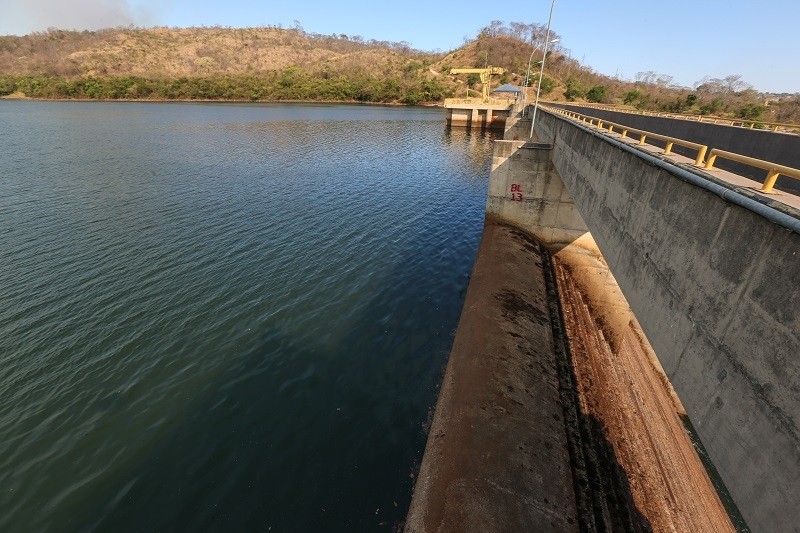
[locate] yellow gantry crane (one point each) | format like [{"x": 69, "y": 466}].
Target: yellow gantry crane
[{"x": 486, "y": 75}]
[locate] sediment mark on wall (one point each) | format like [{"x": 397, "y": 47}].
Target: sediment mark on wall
[
  {"x": 601, "y": 482},
  {"x": 647, "y": 469}
]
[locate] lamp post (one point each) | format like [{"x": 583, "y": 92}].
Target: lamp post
[
  {"x": 525, "y": 85},
  {"x": 541, "y": 72},
  {"x": 527, "y": 77}
]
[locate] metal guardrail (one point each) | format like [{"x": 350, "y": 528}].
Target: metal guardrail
[
  {"x": 709, "y": 119},
  {"x": 478, "y": 101},
  {"x": 643, "y": 135},
  {"x": 773, "y": 169}
]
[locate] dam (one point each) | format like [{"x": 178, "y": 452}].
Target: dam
[{"x": 630, "y": 305}]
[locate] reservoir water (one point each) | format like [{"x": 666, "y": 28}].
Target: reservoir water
[{"x": 219, "y": 317}]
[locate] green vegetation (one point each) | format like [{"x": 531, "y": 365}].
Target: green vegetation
[
  {"x": 288, "y": 84},
  {"x": 631, "y": 96},
  {"x": 268, "y": 63},
  {"x": 548, "y": 85},
  {"x": 750, "y": 111},
  {"x": 711, "y": 108},
  {"x": 596, "y": 94},
  {"x": 574, "y": 90}
]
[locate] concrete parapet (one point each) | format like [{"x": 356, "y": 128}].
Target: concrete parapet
[{"x": 716, "y": 288}]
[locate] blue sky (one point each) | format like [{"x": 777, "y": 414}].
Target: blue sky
[{"x": 683, "y": 39}]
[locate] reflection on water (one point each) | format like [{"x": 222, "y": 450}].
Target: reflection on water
[{"x": 225, "y": 316}]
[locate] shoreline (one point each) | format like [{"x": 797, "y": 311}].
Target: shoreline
[{"x": 221, "y": 101}]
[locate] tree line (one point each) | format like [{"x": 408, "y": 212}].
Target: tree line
[{"x": 288, "y": 84}]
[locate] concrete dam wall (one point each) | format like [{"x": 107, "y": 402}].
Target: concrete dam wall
[{"x": 715, "y": 285}]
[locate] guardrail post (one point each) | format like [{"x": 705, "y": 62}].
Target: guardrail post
[
  {"x": 701, "y": 154},
  {"x": 668, "y": 148},
  {"x": 711, "y": 159},
  {"x": 769, "y": 183},
  {"x": 642, "y": 138}
]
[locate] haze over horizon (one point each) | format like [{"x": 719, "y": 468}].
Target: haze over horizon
[{"x": 689, "y": 42}]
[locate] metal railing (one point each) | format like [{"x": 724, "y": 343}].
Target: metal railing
[
  {"x": 479, "y": 101},
  {"x": 774, "y": 170},
  {"x": 643, "y": 135},
  {"x": 709, "y": 119}
]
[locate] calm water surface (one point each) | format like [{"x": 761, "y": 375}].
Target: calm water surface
[{"x": 225, "y": 317}]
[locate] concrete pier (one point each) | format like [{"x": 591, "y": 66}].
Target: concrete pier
[{"x": 473, "y": 113}]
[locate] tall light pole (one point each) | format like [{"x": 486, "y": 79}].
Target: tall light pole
[
  {"x": 541, "y": 72},
  {"x": 525, "y": 85},
  {"x": 527, "y": 77}
]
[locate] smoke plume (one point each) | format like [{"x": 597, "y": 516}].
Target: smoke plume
[{"x": 26, "y": 16}]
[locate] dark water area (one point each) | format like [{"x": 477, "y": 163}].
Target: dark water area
[{"x": 224, "y": 317}]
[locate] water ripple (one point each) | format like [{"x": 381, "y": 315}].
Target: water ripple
[{"x": 225, "y": 317}]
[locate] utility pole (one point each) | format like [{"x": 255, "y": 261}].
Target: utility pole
[{"x": 541, "y": 72}]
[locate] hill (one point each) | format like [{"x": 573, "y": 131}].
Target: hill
[
  {"x": 176, "y": 52},
  {"x": 566, "y": 80},
  {"x": 215, "y": 63},
  {"x": 272, "y": 63}
]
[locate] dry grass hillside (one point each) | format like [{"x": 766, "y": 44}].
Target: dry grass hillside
[
  {"x": 289, "y": 64},
  {"x": 216, "y": 63},
  {"x": 170, "y": 52}
]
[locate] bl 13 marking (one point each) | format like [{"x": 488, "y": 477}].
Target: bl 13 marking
[{"x": 516, "y": 192}]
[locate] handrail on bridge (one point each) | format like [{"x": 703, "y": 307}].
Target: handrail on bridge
[
  {"x": 710, "y": 119},
  {"x": 773, "y": 169},
  {"x": 643, "y": 135}
]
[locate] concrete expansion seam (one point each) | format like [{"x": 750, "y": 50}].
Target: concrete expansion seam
[{"x": 729, "y": 195}]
